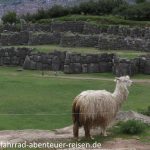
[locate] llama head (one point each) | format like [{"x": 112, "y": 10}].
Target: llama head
[{"x": 124, "y": 80}]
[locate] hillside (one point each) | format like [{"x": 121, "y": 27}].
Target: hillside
[{"x": 24, "y": 6}]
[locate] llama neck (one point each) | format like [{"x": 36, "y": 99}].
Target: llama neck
[{"x": 121, "y": 93}]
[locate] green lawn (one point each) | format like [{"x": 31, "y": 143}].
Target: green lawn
[
  {"x": 50, "y": 48},
  {"x": 29, "y": 100}
]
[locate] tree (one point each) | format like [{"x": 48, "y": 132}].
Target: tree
[
  {"x": 139, "y": 12},
  {"x": 9, "y": 17},
  {"x": 140, "y": 1}
]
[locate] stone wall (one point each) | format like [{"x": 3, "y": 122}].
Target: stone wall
[
  {"x": 78, "y": 34},
  {"x": 135, "y": 32},
  {"x": 14, "y": 38},
  {"x": 102, "y": 41},
  {"x": 45, "y": 61},
  {"x": 37, "y": 38},
  {"x": 89, "y": 63},
  {"x": 125, "y": 67},
  {"x": 13, "y": 56},
  {"x": 9, "y": 28},
  {"x": 73, "y": 62},
  {"x": 81, "y": 28},
  {"x": 72, "y": 26},
  {"x": 37, "y": 27},
  {"x": 79, "y": 40},
  {"x": 111, "y": 42},
  {"x": 144, "y": 64}
]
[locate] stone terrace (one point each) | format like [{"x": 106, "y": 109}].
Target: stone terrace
[
  {"x": 78, "y": 34},
  {"x": 73, "y": 62}
]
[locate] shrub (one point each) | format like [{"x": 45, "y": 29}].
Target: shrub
[
  {"x": 44, "y": 21},
  {"x": 140, "y": 1},
  {"x": 139, "y": 11},
  {"x": 9, "y": 17},
  {"x": 57, "y": 11},
  {"x": 145, "y": 112},
  {"x": 41, "y": 14},
  {"x": 132, "y": 127},
  {"x": 99, "y": 7}
]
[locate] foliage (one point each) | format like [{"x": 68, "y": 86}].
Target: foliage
[
  {"x": 44, "y": 21},
  {"x": 101, "y": 7},
  {"x": 139, "y": 11},
  {"x": 145, "y": 112},
  {"x": 140, "y": 1},
  {"x": 103, "y": 20},
  {"x": 57, "y": 11},
  {"x": 9, "y": 17},
  {"x": 132, "y": 127}
]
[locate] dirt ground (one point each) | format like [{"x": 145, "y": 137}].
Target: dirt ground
[{"x": 66, "y": 133}]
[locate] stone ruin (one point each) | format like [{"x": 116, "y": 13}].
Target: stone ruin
[
  {"x": 78, "y": 34},
  {"x": 73, "y": 63}
]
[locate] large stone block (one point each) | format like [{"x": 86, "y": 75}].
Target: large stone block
[
  {"x": 147, "y": 66},
  {"x": 27, "y": 63},
  {"x": 93, "y": 68},
  {"x": 77, "y": 68},
  {"x": 105, "y": 66},
  {"x": 125, "y": 67},
  {"x": 67, "y": 69},
  {"x": 84, "y": 68},
  {"x": 73, "y": 26}
]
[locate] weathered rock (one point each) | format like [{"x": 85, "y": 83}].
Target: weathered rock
[
  {"x": 27, "y": 63},
  {"x": 73, "y": 62},
  {"x": 132, "y": 115},
  {"x": 93, "y": 68},
  {"x": 55, "y": 63},
  {"x": 105, "y": 66},
  {"x": 44, "y": 38},
  {"x": 125, "y": 67},
  {"x": 147, "y": 66},
  {"x": 84, "y": 68},
  {"x": 77, "y": 40}
]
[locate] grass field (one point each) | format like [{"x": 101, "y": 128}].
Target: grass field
[
  {"x": 49, "y": 48},
  {"x": 30, "y": 100}
]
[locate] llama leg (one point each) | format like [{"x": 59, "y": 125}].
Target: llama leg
[
  {"x": 76, "y": 130},
  {"x": 87, "y": 132},
  {"x": 104, "y": 133}
]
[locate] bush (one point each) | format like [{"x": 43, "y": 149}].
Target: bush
[
  {"x": 140, "y": 1},
  {"x": 100, "y": 7},
  {"x": 132, "y": 127},
  {"x": 44, "y": 21},
  {"x": 145, "y": 112},
  {"x": 139, "y": 11},
  {"x": 57, "y": 11},
  {"x": 9, "y": 17},
  {"x": 41, "y": 14}
]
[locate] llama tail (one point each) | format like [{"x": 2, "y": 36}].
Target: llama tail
[
  {"x": 76, "y": 114},
  {"x": 76, "y": 119}
]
